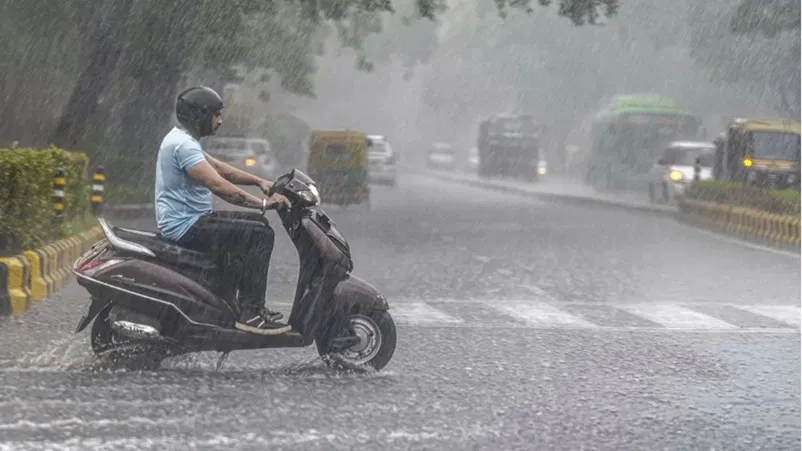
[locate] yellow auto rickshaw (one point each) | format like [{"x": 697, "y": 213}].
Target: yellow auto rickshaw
[
  {"x": 763, "y": 152},
  {"x": 338, "y": 162}
]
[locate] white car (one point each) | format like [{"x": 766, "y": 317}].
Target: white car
[
  {"x": 673, "y": 172},
  {"x": 542, "y": 168},
  {"x": 383, "y": 161},
  {"x": 441, "y": 156},
  {"x": 252, "y": 155},
  {"x": 473, "y": 159}
]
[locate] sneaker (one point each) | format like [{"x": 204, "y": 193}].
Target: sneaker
[
  {"x": 272, "y": 314},
  {"x": 262, "y": 324}
]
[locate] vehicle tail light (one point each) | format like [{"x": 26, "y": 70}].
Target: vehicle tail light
[{"x": 92, "y": 267}]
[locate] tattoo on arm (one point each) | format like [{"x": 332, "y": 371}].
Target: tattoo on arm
[
  {"x": 230, "y": 176},
  {"x": 242, "y": 200}
]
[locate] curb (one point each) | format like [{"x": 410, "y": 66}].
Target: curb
[
  {"x": 555, "y": 197},
  {"x": 780, "y": 231},
  {"x": 36, "y": 274}
]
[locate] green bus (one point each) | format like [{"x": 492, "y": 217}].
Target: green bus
[{"x": 628, "y": 135}]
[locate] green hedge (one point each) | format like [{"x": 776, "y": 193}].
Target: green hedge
[
  {"x": 27, "y": 217},
  {"x": 784, "y": 202}
]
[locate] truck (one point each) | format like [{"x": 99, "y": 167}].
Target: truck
[{"x": 509, "y": 146}]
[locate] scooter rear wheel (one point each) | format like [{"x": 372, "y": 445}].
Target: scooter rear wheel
[
  {"x": 114, "y": 348},
  {"x": 377, "y": 340}
]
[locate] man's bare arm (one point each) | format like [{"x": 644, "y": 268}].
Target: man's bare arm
[
  {"x": 232, "y": 174},
  {"x": 205, "y": 174}
]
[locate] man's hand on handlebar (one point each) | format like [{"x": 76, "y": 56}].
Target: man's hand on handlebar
[
  {"x": 275, "y": 201},
  {"x": 265, "y": 185}
]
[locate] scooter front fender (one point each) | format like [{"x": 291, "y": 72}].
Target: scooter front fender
[
  {"x": 97, "y": 306},
  {"x": 353, "y": 293}
]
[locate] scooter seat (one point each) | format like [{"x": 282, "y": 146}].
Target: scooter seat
[{"x": 167, "y": 251}]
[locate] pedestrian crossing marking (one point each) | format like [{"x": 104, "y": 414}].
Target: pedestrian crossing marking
[
  {"x": 543, "y": 315},
  {"x": 654, "y": 316},
  {"x": 788, "y": 314},
  {"x": 672, "y": 316}
]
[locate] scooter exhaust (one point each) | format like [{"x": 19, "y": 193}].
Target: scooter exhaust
[{"x": 135, "y": 330}]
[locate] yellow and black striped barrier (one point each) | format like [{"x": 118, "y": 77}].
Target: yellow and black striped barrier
[
  {"x": 98, "y": 187},
  {"x": 15, "y": 275},
  {"x": 59, "y": 183},
  {"x": 783, "y": 230},
  {"x": 37, "y": 274}
]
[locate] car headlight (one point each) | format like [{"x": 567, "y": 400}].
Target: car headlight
[
  {"x": 675, "y": 176},
  {"x": 250, "y": 162}
]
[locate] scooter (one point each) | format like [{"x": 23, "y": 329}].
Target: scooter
[{"x": 152, "y": 299}]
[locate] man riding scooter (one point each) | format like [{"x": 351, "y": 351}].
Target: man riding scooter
[{"x": 186, "y": 178}]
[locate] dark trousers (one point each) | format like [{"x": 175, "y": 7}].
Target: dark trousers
[{"x": 241, "y": 241}]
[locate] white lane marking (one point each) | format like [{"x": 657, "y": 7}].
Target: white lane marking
[
  {"x": 21, "y": 403},
  {"x": 420, "y": 313},
  {"x": 788, "y": 314},
  {"x": 212, "y": 439},
  {"x": 541, "y": 294},
  {"x": 542, "y": 315},
  {"x": 673, "y": 316},
  {"x": 80, "y": 423}
]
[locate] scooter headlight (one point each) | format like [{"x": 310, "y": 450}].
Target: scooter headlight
[{"x": 311, "y": 195}]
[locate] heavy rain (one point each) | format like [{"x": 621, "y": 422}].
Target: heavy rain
[{"x": 370, "y": 225}]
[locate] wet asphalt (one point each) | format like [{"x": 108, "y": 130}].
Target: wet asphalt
[{"x": 522, "y": 325}]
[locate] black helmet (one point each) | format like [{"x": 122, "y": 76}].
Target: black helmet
[{"x": 195, "y": 108}]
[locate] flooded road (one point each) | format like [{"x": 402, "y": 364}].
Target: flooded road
[{"x": 522, "y": 324}]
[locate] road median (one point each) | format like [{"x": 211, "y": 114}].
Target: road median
[
  {"x": 776, "y": 230},
  {"x": 747, "y": 223},
  {"x": 36, "y": 274}
]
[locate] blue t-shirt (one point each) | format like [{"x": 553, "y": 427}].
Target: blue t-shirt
[{"x": 180, "y": 200}]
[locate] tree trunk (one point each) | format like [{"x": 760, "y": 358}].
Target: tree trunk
[
  {"x": 155, "y": 65},
  {"x": 96, "y": 76}
]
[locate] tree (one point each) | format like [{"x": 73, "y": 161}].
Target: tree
[
  {"x": 132, "y": 55},
  {"x": 755, "y": 44}
]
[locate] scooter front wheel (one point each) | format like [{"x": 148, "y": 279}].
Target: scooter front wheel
[{"x": 371, "y": 341}]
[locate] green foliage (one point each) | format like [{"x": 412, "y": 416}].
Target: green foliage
[
  {"x": 755, "y": 43},
  {"x": 767, "y": 17},
  {"x": 261, "y": 34},
  {"x": 783, "y": 202},
  {"x": 27, "y": 217}
]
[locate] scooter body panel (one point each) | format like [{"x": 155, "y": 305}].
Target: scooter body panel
[{"x": 135, "y": 281}]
